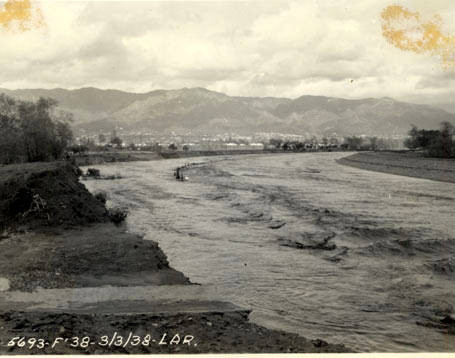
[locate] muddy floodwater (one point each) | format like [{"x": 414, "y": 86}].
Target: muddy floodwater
[{"x": 313, "y": 247}]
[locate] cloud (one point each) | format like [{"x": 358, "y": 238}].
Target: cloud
[{"x": 275, "y": 48}]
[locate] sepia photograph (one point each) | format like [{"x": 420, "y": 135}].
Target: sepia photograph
[{"x": 227, "y": 176}]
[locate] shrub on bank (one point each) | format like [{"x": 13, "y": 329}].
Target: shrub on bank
[
  {"x": 78, "y": 171},
  {"x": 101, "y": 197},
  {"x": 93, "y": 173},
  {"x": 118, "y": 215}
]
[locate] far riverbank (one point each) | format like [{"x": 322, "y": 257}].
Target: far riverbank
[
  {"x": 93, "y": 158},
  {"x": 409, "y": 164}
]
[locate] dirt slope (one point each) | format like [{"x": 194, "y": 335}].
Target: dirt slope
[{"x": 37, "y": 195}]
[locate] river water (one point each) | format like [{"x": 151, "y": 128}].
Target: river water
[{"x": 313, "y": 247}]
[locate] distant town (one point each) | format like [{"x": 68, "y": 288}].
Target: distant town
[{"x": 149, "y": 140}]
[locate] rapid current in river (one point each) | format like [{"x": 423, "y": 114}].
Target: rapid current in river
[{"x": 313, "y": 247}]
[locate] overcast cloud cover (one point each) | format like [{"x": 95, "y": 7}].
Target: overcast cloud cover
[{"x": 256, "y": 48}]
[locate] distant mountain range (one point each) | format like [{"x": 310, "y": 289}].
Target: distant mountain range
[{"x": 204, "y": 111}]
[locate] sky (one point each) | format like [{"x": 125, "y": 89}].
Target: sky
[{"x": 274, "y": 48}]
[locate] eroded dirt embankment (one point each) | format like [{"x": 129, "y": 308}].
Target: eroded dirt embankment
[
  {"x": 57, "y": 234},
  {"x": 98, "y": 255},
  {"x": 36, "y": 196}
]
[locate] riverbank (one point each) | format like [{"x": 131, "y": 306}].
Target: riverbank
[
  {"x": 91, "y": 256},
  {"x": 409, "y": 164},
  {"x": 94, "y": 158},
  {"x": 113, "y": 156},
  {"x": 57, "y": 242}
]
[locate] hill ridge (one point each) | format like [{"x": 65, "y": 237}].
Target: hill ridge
[{"x": 204, "y": 110}]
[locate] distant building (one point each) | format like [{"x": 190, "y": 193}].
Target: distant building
[{"x": 257, "y": 146}]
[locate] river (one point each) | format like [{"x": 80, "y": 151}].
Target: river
[{"x": 313, "y": 247}]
